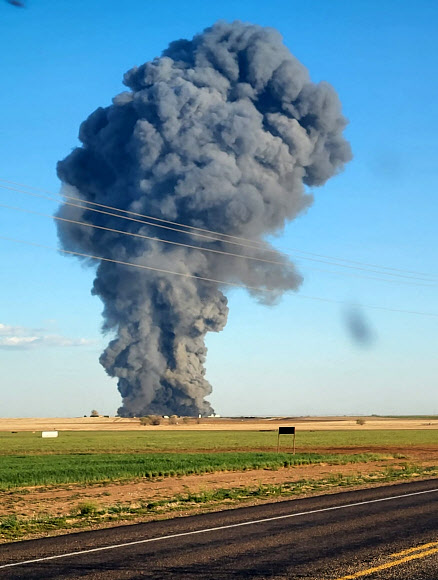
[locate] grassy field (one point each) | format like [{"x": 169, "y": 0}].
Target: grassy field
[
  {"x": 26, "y": 443},
  {"x": 31, "y": 470},
  {"x": 89, "y": 478},
  {"x": 86, "y": 457}
]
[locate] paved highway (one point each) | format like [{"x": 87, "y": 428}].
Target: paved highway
[{"x": 384, "y": 533}]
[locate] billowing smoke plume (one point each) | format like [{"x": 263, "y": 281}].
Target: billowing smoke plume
[{"x": 222, "y": 132}]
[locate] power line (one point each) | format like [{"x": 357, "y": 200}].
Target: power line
[
  {"x": 201, "y": 248},
  {"x": 266, "y": 250},
  {"x": 212, "y": 280},
  {"x": 398, "y": 276},
  {"x": 89, "y": 225},
  {"x": 142, "y": 266},
  {"x": 134, "y": 219},
  {"x": 253, "y": 244}
]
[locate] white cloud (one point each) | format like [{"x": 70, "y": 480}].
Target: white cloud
[
  {"x": 6, "y": 330},
  {"x": 20, "y": 337}
]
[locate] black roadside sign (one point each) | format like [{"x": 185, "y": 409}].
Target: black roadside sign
[{"x": 286, "y": 430}]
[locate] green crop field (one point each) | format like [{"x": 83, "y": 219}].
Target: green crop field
[
  {"x": 100, "y": 457},
  {"x": 29, "y": 470},
  {"x": 93, "y": 456},
  {"x": 145, "y": 441}
]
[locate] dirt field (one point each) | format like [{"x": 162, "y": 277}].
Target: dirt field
[
  {"x": 304, "y": 424},
  {"x": 60, "y": 500}
]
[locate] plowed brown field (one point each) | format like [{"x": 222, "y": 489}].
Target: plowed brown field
[{"x": 206, "y": 424}]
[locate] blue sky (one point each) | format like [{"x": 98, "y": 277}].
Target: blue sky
[{"x": 62, "y": 60}]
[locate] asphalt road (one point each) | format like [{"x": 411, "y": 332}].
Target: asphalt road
[{"x": 382, "y": 533}]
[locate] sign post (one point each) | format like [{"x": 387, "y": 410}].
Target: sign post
[{"x": 285, "y": 431}]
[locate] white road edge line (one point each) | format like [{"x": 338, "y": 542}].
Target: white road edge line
[{"x": 206, "y": 530}]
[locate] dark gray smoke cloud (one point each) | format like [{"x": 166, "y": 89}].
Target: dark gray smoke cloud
[{"x": 221, "y": 132}]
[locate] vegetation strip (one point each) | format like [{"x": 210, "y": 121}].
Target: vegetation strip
[
  {"x": 34, "y": 470},
  {"x": 147, "y": 440},
  {"x": 88, "y": 514}
]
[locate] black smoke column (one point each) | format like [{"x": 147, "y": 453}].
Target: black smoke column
[{"x": 221, "y": 132}]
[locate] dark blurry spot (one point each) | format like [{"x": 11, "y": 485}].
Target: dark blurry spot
[{"x": 358, "y": 326}]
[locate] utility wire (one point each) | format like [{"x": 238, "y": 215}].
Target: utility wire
[
  {"x": 136, "y": 235},
  {"x": 277, "y": 262},
  {"x": 398, "y": 276},
  {"x": 213, "y": 280},
  {"x": 253, "y": 244},
  {"x": 429, "y": 279},
  {"x": 62, "y": 197},
  {"x": 143, "y": 222},
  {"x": 266, "y": 250}
]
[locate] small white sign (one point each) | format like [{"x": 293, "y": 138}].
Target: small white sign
[{"x": 49, "y": 433}]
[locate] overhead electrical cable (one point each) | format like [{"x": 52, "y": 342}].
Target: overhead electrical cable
[
  {"x": 266, "y": 250},
  {"x": 255, "y": 245},
  {"x": 136, "y": 235},
  {"x": 63, "y": 197},
  {"x": 203, "y": 249},
  {"x": 212, "y": 280}
]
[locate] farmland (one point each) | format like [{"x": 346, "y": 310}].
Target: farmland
[
  {"x": 93, "y": 477},
  {"x": 20, "y": 471},
  {"x": 149, "y": 440}
]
